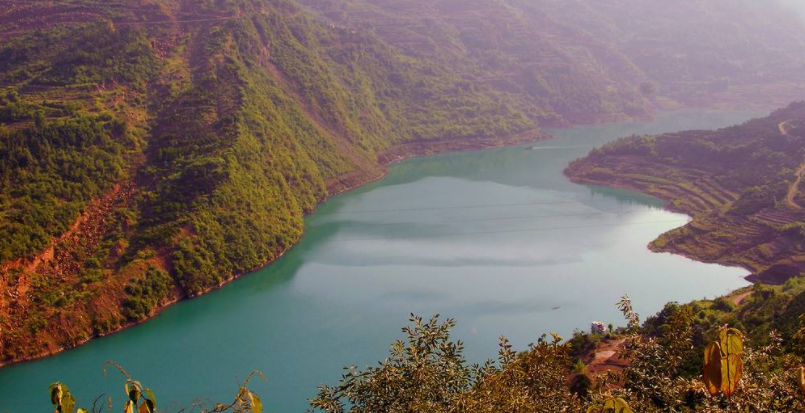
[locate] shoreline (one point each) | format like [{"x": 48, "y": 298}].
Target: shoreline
[
  {"x": 668, "y": 206},
  {"x": 401, "y": 152},
  {"x": 361, "y": 177}
]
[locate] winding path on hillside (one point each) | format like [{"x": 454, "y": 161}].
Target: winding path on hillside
[{"x": 794, "y": 188}]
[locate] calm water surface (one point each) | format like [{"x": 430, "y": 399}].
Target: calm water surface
[{"x": 498, "y": 240}]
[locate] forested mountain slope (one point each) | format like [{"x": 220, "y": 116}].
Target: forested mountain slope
[
  {"x": 582, "y": 60},
  {"x": 154, "y": 150},
  {"x": 742, "y": 185},
  {"x": 559, "y": 74}
]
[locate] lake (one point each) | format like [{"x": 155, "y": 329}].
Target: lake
[{"x": 499, "y": 240}]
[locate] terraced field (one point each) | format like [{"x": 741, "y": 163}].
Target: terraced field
[{"x": 740, "y": 185}]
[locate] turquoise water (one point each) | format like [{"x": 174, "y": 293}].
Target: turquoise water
[{"x": 498, "y": 240}]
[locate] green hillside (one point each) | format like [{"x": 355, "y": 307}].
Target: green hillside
[
  {"x": 741, "y": 185},
  {"x": 154, "y": 150}
]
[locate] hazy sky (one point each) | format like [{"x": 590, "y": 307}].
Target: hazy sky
[{"x": 798, "y": 5}]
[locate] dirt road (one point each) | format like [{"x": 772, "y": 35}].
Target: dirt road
[{"x": 794, "y": 188}]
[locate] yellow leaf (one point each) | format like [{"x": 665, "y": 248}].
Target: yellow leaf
[
  {"x": 616, "y": 405},
  {"x": 257, "y": 404},
  {"x": 621, "y": 406},
  {"x": 712, "y": 368},
  {"x": 801, "y": 381},
  {"x": 731, "y": 371},
  {"x": 731, "y": 341}
]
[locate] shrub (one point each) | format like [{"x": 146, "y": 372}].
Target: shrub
[{"x": 146, "y": 293}]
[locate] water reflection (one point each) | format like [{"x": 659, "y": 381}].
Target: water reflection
[{"x": 499, "y": 240}]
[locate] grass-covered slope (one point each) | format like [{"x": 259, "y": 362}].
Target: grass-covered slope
[
  {"x": 153, "y": 151},
  {"x": 740, "y": 184}
]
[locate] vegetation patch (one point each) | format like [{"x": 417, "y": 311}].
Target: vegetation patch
[{"x": 738, "y": 183}]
